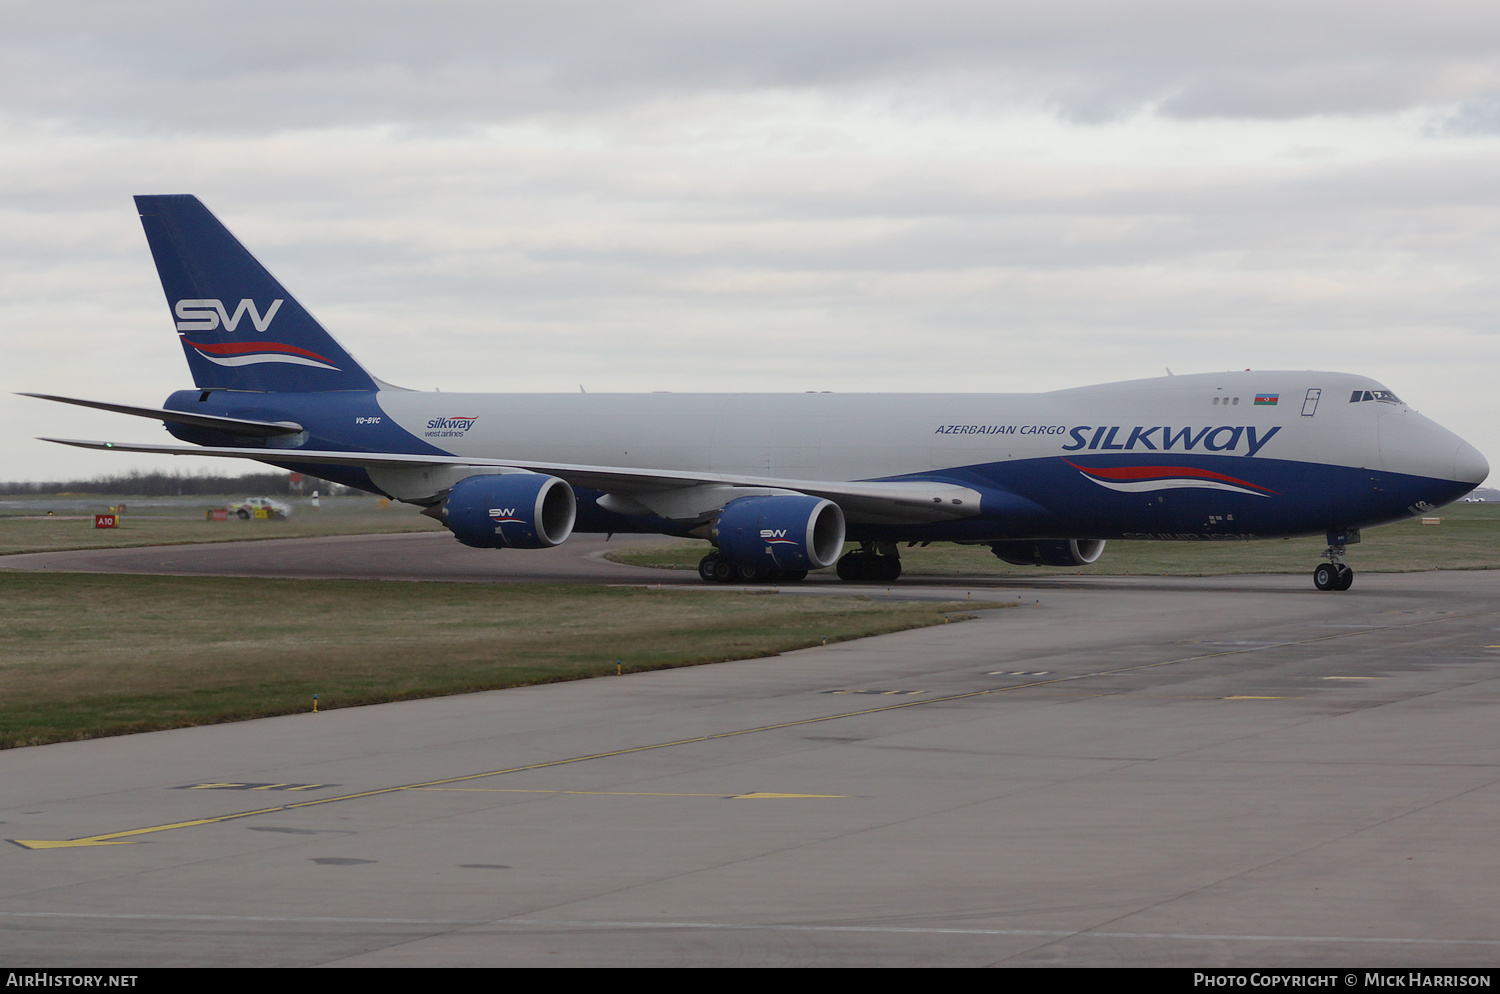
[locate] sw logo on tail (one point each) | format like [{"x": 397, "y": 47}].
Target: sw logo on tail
[{"x": 206, "y": 315}]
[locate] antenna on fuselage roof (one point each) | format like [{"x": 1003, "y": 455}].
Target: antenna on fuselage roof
[{"x": 1169, "y": 370}]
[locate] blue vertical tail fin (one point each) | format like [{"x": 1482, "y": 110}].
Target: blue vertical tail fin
[{"x": 239, "y": 327}]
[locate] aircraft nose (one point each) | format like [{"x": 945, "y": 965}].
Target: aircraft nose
[
  {"x": 1469, "y": 466},
  {"x": 1413, "y": 445}
]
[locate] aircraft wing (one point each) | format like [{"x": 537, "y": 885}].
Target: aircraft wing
[{"x": 635, "y": 491}]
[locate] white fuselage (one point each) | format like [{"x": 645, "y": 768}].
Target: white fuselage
[{"x": 872, "y": 436}]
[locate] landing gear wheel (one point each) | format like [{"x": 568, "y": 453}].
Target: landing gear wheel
[
  {"x": 713, "y": 568},
  {"x": 706, "y": 567},
  {"x": 869, "y": 567},
  {"x": 1333, "y": 576},
  {"x": 851, "y": 567}
]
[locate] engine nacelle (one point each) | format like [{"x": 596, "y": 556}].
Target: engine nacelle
[
  {"x": 1064, "y": 552},
  {"x": 511, "y": 511},
  {"x": 790, "y": 532}
]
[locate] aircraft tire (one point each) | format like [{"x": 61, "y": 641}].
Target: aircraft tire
[
  {"x": 863, "y": 566},
  {"x": 1326, "y": 577},
  {"x": 1345, "y": 579},
  {"x": 851, "y": 568},
  {"x": 714, "y": 568}
]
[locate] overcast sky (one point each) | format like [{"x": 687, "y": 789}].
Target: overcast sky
[{"x": 924, "y": 196}]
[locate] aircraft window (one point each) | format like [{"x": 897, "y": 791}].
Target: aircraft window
[
  {"x": 1236, "y": 402},
  {"x": 1216, "y": 402},
  {"x": 1356, "y": 396},
  {"x": 1384, "y": 396}
]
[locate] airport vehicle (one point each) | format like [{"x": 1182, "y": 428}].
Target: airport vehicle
[
  {"x": 246, "y": 508},
  {"x": 779, "y": 482}
]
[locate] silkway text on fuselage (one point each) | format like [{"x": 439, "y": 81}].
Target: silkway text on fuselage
[{"x": 1225, "y": 438}]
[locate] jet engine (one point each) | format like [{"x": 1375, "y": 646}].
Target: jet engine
[
  {"x": 511, "y": 511},
  {"x": 1064, "y": 552},
  {"x": 788, "y": 532}
]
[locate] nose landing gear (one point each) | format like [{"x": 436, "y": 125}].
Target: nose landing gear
[{"x": 1335, "y": 574}]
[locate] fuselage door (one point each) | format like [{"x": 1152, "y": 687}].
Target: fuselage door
[{"x": 1310, "y": 405}]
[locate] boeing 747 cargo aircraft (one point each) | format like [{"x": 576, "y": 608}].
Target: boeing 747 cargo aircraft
[{"x": 779, "y": 483}]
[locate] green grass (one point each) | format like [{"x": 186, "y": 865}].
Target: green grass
[
  {"x": 85, "y": 655},
  {"x": 181, "y": 524},
  {"x": 1468, "y": 538}
]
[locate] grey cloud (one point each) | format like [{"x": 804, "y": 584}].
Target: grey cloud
[
  {"x": 280, "y": 64},
  {"x": 689, "y": 236}
]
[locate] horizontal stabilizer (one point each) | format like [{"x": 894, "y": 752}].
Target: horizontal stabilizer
[{"x": 232, "y": 426}]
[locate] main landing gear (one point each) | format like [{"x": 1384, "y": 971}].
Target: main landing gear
[
  {"x": 1334, "y": 574},
  {"x": 716, "y": 569},
  {"x": 875, "y": 562}
]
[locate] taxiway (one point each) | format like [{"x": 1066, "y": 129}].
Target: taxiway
[{"x": 1123, "y": 771}]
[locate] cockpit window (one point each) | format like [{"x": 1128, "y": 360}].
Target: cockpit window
[{"x": 1384, "y": 396}]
